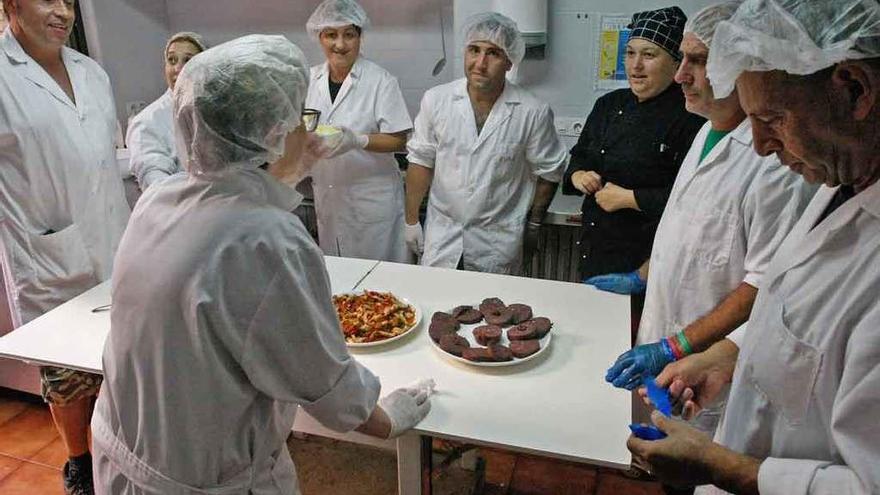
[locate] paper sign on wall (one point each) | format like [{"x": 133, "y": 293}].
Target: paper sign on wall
[{"x": 611, "y": 50}]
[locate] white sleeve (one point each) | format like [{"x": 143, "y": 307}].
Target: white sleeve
[
  {"x": 422, "y": 145},
  {"x": 854, "y": 433},
  {"x": 152, "y": 156},
  {"x": 772, "y": 206},
  {"x": 545, "y": 153},
  {"x": 738, "y": 335},
  {"x": 391, "y": 113},
  {"x": 295, "y": 352}
]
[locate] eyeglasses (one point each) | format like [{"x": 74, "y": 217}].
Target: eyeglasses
[{"x": 310, "y": 118}]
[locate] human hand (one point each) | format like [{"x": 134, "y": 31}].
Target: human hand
[
  {"x": 406, "y": 406},
  {"x": 530, "y": 240},
  {"x": 695, "y": 381},
  {"x": 629, "y": 368},
  {"x": 349, "y": 141},
  {"x": 681, "y": 459},
  {"x": 613, "y": 197},
  {"x": 415, "y": 238},
  {"x": 619, "y": 283},
  {"x": 587, "y": 182}
]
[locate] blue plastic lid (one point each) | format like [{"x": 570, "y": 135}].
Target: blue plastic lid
[
  {"x": 647, "y": 432},
  {"x": 659, "y": 397}
]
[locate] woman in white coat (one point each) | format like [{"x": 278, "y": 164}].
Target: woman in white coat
[
  {"x": 222, "y": 320},
  {"x": 359, "y": 197},
  {"x": 150, "y": 135}
]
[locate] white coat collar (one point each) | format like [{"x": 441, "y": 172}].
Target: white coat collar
[
  {"x": 501, "y": 110},
  {"x": 35, "y": 73},
  {"x": 742, "y": 134},
  {"x": 355, "y": 72},
  {"x": 353, "y": 76}
]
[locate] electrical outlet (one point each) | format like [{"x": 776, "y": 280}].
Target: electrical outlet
[{"x": 569, "y": 126}]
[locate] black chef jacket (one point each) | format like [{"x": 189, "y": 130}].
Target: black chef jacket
[{"x": 638, "y": 146}]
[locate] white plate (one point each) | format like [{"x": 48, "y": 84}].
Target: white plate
[
  {"x": 418, "y": 319},
  {"x": 467, "y": 331}
]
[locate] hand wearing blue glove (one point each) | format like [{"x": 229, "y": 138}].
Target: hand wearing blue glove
[
  {"x": 647, "y": 359},
  {"x": 620, "y": 283}
]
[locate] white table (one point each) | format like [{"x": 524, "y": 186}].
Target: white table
[{"x": 556, "y": 405}]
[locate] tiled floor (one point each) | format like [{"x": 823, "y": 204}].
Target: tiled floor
[{"x": 31, "y": 456}]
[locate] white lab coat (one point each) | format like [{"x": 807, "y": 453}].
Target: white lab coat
[
  {"x": 57, "y": 174},
  {"x": 359, "y": 198},
  {"x": 150, "y": 139},
  {"x": 222, "y": 324},
  {"x": 806, "y": 389},
  {"x": 724, "y": 220},
  {"x": 484, "y": 184}
]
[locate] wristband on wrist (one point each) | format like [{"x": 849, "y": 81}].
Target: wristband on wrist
[
  {"x": 674, "y": 345},
  {"x": 363, "y": 140},
  {"x": 685, "y": 345}
]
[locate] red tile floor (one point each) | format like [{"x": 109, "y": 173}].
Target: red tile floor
[{"x": 31, "y": 457}]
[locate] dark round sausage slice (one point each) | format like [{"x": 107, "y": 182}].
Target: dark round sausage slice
[
  {"x": 524, "y": 348},
  {"x": 498, "y": 316},
  {"x": 521, "y": 313},
  {"x": 490, "y": 304},
  {"x": 500, "y": 353},
  {"x": 541, "y": 325},
  {"x": 522, "y": 331},
  {"x": 454, "y": 344},
  {"x": 446, "y": 317},
  {"x": 439, "y": 328},
  {"x": 487, "y": 334},
  {"x": 477, "y": 354},
  {"x": 470, "y": 316},
  {"x": 458, "y": 310}
]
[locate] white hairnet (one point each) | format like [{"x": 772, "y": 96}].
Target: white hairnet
[
  {"x": 194, "y": 38},
  {"x": 235, "y": 103},
  {"x": 497, "y": 29},
  {"x": 336, "y": 13},
  {"x": 703, "y": 23},
  {"x": 796, "y": 36}
]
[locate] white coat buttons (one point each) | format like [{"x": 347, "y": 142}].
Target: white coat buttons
[
  {"x": 620, "y": 112},
  {"x": 602, "y": 152}
]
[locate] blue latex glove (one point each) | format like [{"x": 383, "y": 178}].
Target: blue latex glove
[
  {"x": 620, "y": 283},
  {"x": 647, "y": 359}
]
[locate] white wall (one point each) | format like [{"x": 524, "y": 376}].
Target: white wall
[
  {"x": 564, "y": 78},
  {"x": 127, "y": 37}
]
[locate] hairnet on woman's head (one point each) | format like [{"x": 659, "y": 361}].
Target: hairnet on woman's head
[
  {"x": 235, "y": 103},
  {"x": 796, "y": 36},
  {"x": 337, "y": 13},
  {"x": 497, "y": 29},
  {"x": 703, "y": 23},
  {"x": 194, "y": 38}
]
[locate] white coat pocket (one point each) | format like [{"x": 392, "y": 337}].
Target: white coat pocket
[
  {"x": 784, "y": 369},
  {"x": 61, "y": 265}
]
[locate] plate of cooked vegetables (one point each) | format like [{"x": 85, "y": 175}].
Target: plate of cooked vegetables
[{"x": 374, "y": 317}]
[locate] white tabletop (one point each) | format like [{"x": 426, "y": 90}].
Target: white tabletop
[
  {"x": 557, "y": 404},
  {"x": 72, "y": 336}
]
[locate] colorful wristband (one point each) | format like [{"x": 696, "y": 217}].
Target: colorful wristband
[
  {"x": 676, "y": 350},
  {"x": 667, "y": 350},
  {"x": 685, "y": 345}
]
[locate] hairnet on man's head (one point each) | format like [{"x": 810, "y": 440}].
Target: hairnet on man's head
[
  {"x": 235, "y": 103},
  {"x": 796, "y": 36},
  {"x": 703, "y": 23},
  {"x": 337, "y": 13},
  {"x": 194, "y": 38},
  {"x": 497, "y": 29}
]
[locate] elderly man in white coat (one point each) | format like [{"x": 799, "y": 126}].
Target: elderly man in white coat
[
  {"x": 358, "y": 188},
  {"x": 62, "y": 206},
  {"x": 489, "y": 152},
  {"x": 729, "y": 210},
  {"x": 222, "y": 320},
  {"x": 801, "y": 414},
  {"x": 150, "y": 136}
]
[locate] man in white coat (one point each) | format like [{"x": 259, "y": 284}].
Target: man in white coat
[
  {"x": 62, "y": 206},
  {"x": 489, "y": 152},
  {"x": 801, "y": 414},
  {"x": 222, "y": 320},
  {"x": 729, "y": 210}
]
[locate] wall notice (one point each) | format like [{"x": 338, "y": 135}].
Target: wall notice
[{"x": 611, "y": 45}]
